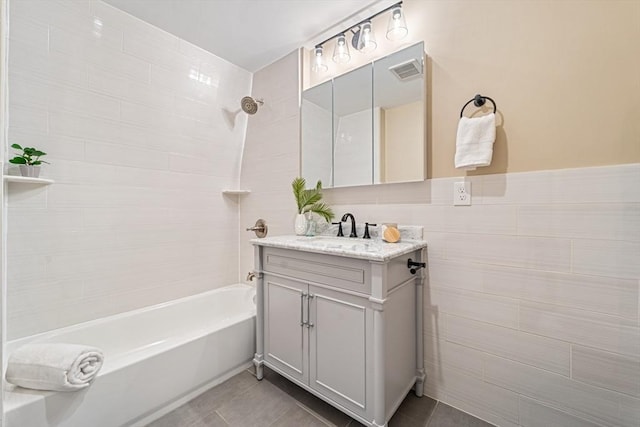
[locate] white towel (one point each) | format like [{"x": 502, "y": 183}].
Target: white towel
[
  {"x": 474, "y": 142},
  {"x": 54, "y": 366}
]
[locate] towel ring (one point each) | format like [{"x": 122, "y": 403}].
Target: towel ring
[{"x": 479, "y": 101}]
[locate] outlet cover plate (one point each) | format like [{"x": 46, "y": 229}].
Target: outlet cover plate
[{"x": 462, "y": 193}]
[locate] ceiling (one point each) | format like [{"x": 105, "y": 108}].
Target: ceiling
[{"x": 249, "y": 33}]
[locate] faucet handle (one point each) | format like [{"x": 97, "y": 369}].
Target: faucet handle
[
  {"x": 339, "y": 224},
  {"x": 366, "y": 230}
]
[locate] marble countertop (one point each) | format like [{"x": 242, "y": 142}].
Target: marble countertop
[{"x": 369, "y": 249}]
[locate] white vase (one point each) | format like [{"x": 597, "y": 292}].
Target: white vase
[
  {"x": 300, "y": 224},
  {"x": 31, "y": 171}
]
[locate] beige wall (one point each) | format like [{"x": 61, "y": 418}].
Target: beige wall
[{"x": 565, "y": 76}]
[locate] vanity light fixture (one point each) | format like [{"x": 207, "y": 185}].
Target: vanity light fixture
[
  {"x": 363, "y": 39},
  {"x": 341, "y": 50},
  {"x": 318, "y": 65},
  {"x": 397, "y": 28}
]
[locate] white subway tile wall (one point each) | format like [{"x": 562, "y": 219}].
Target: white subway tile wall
[
  {"x": 538, "y": 282},
  {"x": 134, "y": 123},
  {"x": 271, "y": 155}
]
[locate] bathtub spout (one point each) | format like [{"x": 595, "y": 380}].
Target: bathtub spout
[{"x": 251, "y": 276}]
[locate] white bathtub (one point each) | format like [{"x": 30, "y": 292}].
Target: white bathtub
[{"x": 156, "y": 358}]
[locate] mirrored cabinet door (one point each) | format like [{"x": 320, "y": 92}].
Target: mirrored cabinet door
[
  {"x": 367, "y": 126},
  {"x": 399, "y": 116},
  {"x": 317, "y": 135},
  {"x": 353, "y": 128}
]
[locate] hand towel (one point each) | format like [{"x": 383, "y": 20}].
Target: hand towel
[
  {"x": 54, "y": 366},
  {"x": 474, "y": 142}
]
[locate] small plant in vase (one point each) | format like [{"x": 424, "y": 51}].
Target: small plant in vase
[
  {"x": 29, "y": 161},
  {"x": 308, "y": 202}
]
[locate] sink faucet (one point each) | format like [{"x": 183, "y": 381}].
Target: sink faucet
[{"x": 353, "y": 224}]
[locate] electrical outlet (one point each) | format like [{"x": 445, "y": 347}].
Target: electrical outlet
[{"x": 462, "y": 193}]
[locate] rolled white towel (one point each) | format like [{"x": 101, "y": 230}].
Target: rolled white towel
[{"x": 54, "y": 366}]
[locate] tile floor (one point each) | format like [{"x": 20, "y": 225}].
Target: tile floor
[{"x": 243, "y": 401}]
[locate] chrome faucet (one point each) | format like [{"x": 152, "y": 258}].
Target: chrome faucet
[{"x": 353, "y": 223}]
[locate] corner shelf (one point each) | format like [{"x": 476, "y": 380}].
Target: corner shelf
[
  {"x": 236, "y": 192},
  {"x": 27, "y": 180}
]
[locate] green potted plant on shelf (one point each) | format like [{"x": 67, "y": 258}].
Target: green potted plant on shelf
[
  {"x": 29, "y": 161},
  {"x": 309, "y": 203}
]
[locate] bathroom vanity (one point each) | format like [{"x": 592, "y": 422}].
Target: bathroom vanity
[{"x": 342, "y": 318}]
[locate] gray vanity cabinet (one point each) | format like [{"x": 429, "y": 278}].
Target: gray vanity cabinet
[
  {"x": 346, "y": 329},
  {"x": 338, "y": 347},
  {"x": 286, "y": 337},
  {"x": 318, "y": 337}
]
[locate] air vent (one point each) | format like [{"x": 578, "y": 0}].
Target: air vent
[{"x": 407, "y": 70}]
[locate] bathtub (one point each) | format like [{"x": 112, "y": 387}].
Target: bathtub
[{"x": 156, "y": 358}]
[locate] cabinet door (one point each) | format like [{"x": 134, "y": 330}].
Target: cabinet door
[
  {"x": 338, "y": 346},
  {"x": 285, "y": 337}
]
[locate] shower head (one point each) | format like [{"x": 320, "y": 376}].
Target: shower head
[{"x": 250, "y": 105}]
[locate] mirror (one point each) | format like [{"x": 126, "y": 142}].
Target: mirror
[
  {"x": 353, "y": 128},
  {"x": 367, "y": 126},
  {"x": 317, "y": 134}
]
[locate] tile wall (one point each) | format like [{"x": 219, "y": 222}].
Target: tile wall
[
  {"x": 271, "y": 157},
  {"x": 143, "y": 132},
  {"x": 531, "y": 310}
]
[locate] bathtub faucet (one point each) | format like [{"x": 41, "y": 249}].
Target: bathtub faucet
[{"x": 251, "y": 276}]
